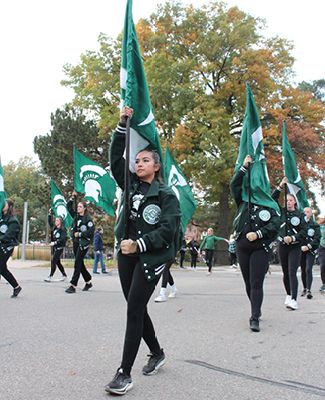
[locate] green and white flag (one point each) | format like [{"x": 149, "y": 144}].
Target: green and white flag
[
  {"x": 59, "y": 205},
  {"x": 291, "y": 171},
  {"x": 174, "y": 178},
  {"x": 2, "y": 190},
  {"x": 94, "y": 181},
  {"x": 251, "y": 143},
  {"x": 135, "y": 92}
]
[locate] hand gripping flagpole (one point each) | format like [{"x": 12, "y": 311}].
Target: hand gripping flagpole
[{"x": 127, "y": 178}]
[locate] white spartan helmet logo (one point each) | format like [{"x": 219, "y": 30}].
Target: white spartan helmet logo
[
  {"x": 90, "y": 175},
  {"x": 60, "y": 206},
  {"x": 176, "y": 179}
]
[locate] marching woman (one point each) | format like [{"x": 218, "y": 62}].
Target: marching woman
[
  {"x": 255, "y": 229},
  {"x": 308, "y": 252},
  {"x": 153, "y": 240},
  {"x": 82, "y": 233},
  {"x": 207, "y": 245},
  {"x": 291, "y": 237},
  {"x": 9, "y": 231},
  {"x": 58, "y": 241},
  {"x": 321, "y": 251}
]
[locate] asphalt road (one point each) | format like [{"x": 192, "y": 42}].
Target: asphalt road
[{"x": 56, "y": 346}]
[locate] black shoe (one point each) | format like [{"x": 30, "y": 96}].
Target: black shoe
[
  {"x": 16, "y": 291},
  {"x": 154, "y": 363},
  {"x": 254, "y": 325},
  {"x": 303, "y": 293},
  {"x": 87, "y": 287},
  {"x": 96, "y": 273},
  {"x": 104, "y": 272},
  {"x": 120, "y": 384},
  {"x": 71, "y": 289},
  {"x": 309, "y": 295}
]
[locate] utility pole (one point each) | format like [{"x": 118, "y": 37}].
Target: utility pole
[{"x": 23, "y": 251}]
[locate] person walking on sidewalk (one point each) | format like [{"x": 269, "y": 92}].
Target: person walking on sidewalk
[
  {"x": 99, "y": 251},
  {"x": 9, "y": 232},
  {"x": 58, "y": 242},
  {"x": 207, "y": 245},
  {"x": 82, "y": 234},
  {"x": 152, "y": 242},
  {"x": 308, "y": 252},
  {"x": 321, "y": 251}
]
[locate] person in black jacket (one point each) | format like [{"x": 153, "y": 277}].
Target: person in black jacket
[
  {"x": 9, "y": 231},
  {"x": 255, "y": 229},
  {"x": 308, "y": 252},
  {"x": 152, "y": 242},
  {"x": 82, "y": 233},
  {"x": 58, "y": 242},
  {"x": 194, "y": 251},
  {"x": 291, "y": 238}
]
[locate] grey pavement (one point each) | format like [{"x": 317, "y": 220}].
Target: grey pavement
[{"x": 57, "y": 346}]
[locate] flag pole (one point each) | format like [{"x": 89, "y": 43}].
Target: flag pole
[
  {"x": 285, "y": 207},
  {"x": 127, "y": 178},
  {"x": 249, "y": 195}
]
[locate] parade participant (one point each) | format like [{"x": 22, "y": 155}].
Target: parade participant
[
  {"x": 194, "y": 251},
  {"x": 254, "y": 231},
  {"x": 153, "y": 240},
  {"x": 321, "y": 251},
  {"x": 182, "y": 252},
  {"x": 58, "y": 241},
  {"x": 82, "y": 234},
  {"x": 207, "y": 245},
  {"x": 291, "y": 237},
  {"x": 99, "y": 251},
  {"x": 167, "y": 278},
  {"x": 232, "y": 251},
  {"x": 9, "y": 231},
  {"x": 308, "y": 252}
]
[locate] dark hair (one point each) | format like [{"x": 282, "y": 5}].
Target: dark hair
[
  {"x": 10, "y": 206},
  {"x": 156, "y": 157}
]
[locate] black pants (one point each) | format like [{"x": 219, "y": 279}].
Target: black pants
[
  {"x": 4, "y": 269},
  {"x": 193, "y": 260},
  {"x": 321, "y": 258},
  {"x": 56, "y": 261},
  {"x": 306, "y": 264},
  {"x": 182, "y": 258},
  {"x": 79, "y": 265},
  {"x": 167, "y": 276},
  {"x": 290, "y": 260},
  {"x": 232, "y": 258},
  {"x": 137, "y": 292},
  {"x": 209, "y": 258},
  {"x": 254, "y": 263}
]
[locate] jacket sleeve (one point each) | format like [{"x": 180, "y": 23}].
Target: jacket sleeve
[
  {"x": 12, "y": 233},
  {"x": 89, "y": 232},
  {"x": 50, "y": 220},
  {"x": 301, "y": 235},
  {"x": 276, "y": 195},
  {"x": 167, "y": 227},
  {"x": 271, "y": 229},
  {"x": 117, "y": 161},
  {"x": 236, "y": 184},
  {"x": 314, "y": 243},
  {"x": 61, "y": 241},
  {"x": 70, "y": 207}
]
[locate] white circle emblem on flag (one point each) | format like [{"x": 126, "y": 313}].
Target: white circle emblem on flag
[
  {"x": 264, "y": 215},
  {"x": 311, "y": 232},
  {"x": 3, "y": 228},
  {"x": 151, "y": 214},
  {"x": 295, "y": 221},
  {"x": 83, "y": 228}
]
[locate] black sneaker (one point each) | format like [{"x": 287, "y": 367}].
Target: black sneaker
[
  {"x": 16, "y": 292},
  {"x": 303, "y": 293},
  {"x": 71, "y": 289},
  {"x": 120, "y": 384},
  {"x": 154, "y": 363},
  {"x": 309, "y": 295},
  {"x": 254, "y": 325},
  {"x": 87, "y": 287}
]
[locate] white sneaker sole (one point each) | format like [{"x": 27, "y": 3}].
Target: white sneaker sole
[
  {"x": 120, "y": 392},
  {"x": 157, "y": 367}
]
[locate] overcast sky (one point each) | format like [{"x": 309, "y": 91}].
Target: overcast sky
[{"x": 38, "y": 37}]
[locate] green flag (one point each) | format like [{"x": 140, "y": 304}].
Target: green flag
[
  {"x": 174, "y": 178},
  {"x": 135, "y": 92},
  {"x": 251, "y": 143},
  {"x": 291, "y": 171},
  {"x": 94, "y": 181},
  {"x": 2, "y": 191},
  {"x": 59, "y": 205}
]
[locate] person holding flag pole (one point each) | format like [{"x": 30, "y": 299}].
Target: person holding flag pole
[
  {"x": 148, "y": 225},
  {"x": 258, "y": 218}
]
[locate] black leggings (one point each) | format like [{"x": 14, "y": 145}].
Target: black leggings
[
  {"x": 167, "y": 276},
  {"x": 137, "y": 292},
  {"x": 79, "y": 265},
  {"x": 208, "y": 258},
  {"x": 306, "y": 264},
  {"x": 193, "y": 260},
  {"x": 290, "y": 259},
  {"x": 57, "y": 262},
  {"x": 254, "y": 263},
  {"x": 232, "y": 258},
  {"x": 4, "y": 269},
  {"x": 321, "y": 258}
]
